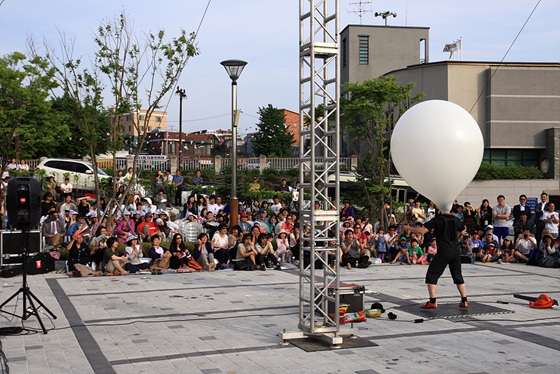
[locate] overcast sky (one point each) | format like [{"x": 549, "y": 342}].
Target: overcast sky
[{"x": 265, "y": 34}]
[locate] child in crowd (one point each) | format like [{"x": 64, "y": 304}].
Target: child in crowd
[
  {"x": 283, "y": 249},
  {"x": 432, "y": 250},
  {"x": 402, "y": 254},
  {"x": 381, "y": 245},
  {"x": 415, "y": 253}
]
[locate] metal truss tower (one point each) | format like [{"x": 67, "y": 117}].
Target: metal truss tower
[{"x": 319, "y": 65}]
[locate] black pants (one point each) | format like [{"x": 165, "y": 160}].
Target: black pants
[
  {"x": 135, "y": 268},
  {"x": 222, "y": 255},
  {"x": 352, "y": 260},
  {"x": 439, "y": 263}
]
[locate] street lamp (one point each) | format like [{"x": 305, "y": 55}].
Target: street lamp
[
  {"x": 234, "y": 69},
  {"x": 182, "y": 95}
]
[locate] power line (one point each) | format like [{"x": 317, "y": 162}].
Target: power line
[{"x": 503, "y": 58}]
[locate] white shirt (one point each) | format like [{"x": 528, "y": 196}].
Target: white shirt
[
  {"x": 168, "y": 178},
  {"x": 66, "y": 187},
  {"x": 551, "y": 226},
  {"x": 276, "y": 208},
  {"x": 213, "y": 208},
  {"x": 525, "y": 246}
]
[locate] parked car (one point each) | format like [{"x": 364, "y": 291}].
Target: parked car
[{"x": 80, "y": 172}]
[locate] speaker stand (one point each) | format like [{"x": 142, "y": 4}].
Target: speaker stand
[{"x": 28, "y": 296}]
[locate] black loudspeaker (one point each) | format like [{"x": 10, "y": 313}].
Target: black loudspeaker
[{"x": 23, "y": 203}]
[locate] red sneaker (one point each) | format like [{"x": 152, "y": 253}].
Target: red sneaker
[
  {"x": 464, "y": 304},
  {"x": 428, "y": 305}
]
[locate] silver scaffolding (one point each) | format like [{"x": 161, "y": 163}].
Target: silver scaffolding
[{"x": 319, "y": 137}]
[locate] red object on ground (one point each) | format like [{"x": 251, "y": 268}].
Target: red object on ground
[{"x": 542, "y": 302}]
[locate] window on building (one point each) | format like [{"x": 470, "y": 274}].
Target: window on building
[
  {"x": 363, "y": 49},
  {"x": 423, "y": 51},
  {"x": 158, "y": 119},
  {"x": 129, "y": 128},
  {"x": 128, "y": 118},
  {"x": 141, "y": 128},
  {"x": 512, "y": 157},
  {"x": 141, "y": 118},
  {"x": 149, "y": 128},
  {"x": 344, "y": 52}
]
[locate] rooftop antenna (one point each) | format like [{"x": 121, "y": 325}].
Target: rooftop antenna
[
  {"x": 361, "y": 9},
  {"x": 385, "y": 15}
]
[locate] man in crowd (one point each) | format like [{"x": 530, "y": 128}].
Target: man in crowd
[
  {"x": 523, "y": 246},
  {"x": 500, "y": 214},
  {"x": 66, "y": 187},
  {"x": 197, "y": 179},
  {"x": 178, "y": 181},
  {"x": 551, "y": 220},
  {"x": 521, "y": 207},
  {"x": 53, "y": 229}
]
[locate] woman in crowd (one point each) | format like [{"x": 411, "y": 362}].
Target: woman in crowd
[
  {"x": 134, "y": 251},
  {"x": 180, "y": 255},
  {"x": 83, "y": 206},
  {"x": 99, "y": 243},
  {"x": 163, "y": 228},
  {"x": 204, "y": 253},
  {"x": 469, "y": 218},
  {"x": 272, "y": 222},
  {"x": 159, "y": 182},
  {"x": 67, "y": 205},
  {"x": 112, "y": 262},
  {"x": 246, "y": 252},
  {"x": 160, "y": 256},
  {"x": 201, "y": 205},
  {"x": 484, "y": 214},
  {"x": 265, "y": 251},
  {"x": 221, "y": 243},
  {"x": 190, "y": 207},
  {"x": 508, "y": 250},
  {"x": 124, "y": 229},
  {"x": 255, "y": 232},
  {"x": 50, "y": 186},
  {"x": 235, "y": 237},
  {"x": 431, "y": 211}
]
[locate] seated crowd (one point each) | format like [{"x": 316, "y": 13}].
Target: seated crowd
[{"x": 268, "y": 233}]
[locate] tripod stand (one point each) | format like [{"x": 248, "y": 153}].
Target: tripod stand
[{"x": 28, "y": 296}]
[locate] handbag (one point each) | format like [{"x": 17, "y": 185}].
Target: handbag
[{"x": 195, "y": 265}]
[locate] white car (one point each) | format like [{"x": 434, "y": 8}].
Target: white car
[{"x": 80, "y": 172}]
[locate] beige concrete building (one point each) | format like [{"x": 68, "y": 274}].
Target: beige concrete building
[
  {"x": 158, "y": 120},
  {"x": 516, "y": 105}
]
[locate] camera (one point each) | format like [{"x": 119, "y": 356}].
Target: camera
[{"x": 525, "y": 236}]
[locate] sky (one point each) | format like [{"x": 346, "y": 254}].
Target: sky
[{"x": 265, "y": 34}]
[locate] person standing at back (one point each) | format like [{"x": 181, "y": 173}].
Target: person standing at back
[{"x": 500, "y": 214}]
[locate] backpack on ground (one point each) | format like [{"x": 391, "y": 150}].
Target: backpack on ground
[{"x": 534, "y": 257}]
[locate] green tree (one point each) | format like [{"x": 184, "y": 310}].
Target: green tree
[
  {"x": 25, "y": 112},
  {"x": 139, "y": 75},
  {"x": 77, "y": 145},
  {"x": 274, "y": 138},
  {"x": 369, "y": 112}
]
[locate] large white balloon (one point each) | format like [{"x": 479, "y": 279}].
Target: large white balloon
[{"x": 437, "y": 148}]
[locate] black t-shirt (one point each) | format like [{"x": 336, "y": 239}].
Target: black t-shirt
[
  {"x": 446, "y": 228},
  {"x": 46, "y": 206}
]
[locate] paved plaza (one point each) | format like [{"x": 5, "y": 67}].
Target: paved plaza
[{"x": 227, "y": 322}]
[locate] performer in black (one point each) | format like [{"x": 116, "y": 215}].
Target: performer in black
[{"x": 447, "y": 230}]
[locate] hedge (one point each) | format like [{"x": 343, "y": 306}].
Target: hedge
[{"x": 491, "y": 171}]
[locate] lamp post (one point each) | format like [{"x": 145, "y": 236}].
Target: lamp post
[
  {"x": 182, "y": 95},
  {"x": 234, "y": 69}
]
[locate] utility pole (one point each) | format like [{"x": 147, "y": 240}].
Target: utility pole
[{"x": 182, "y": 95}]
